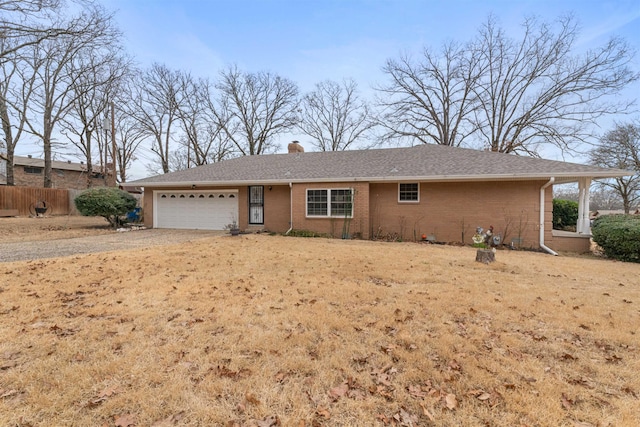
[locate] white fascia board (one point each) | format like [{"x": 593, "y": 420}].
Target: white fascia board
[{"x": 434, "y": 178}]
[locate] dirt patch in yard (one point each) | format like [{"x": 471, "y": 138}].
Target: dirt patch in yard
[
  {"x": 261, "y": 330},
  {"x": 20, "y": 229}
]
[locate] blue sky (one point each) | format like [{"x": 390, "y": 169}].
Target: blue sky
[
  {"x": 309, "y": 41},
  {"x": 312, "y": 40}
]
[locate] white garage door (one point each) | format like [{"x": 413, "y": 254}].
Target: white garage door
[{"x": 203, "y": 210}]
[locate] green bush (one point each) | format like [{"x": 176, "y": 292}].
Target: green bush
[
  {"x": 565, "y": 214},
  {"x": 618, "y": 236},
  {"x": 108, "y": 202}
]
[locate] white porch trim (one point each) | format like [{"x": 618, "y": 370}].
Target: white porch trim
[{"x": 584, "y": 224}]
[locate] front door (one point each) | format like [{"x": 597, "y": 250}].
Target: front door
[{"x": 256, "y": 205}]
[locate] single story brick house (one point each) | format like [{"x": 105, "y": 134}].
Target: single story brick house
[
  {"x": 29, "y": 172},
  {"x": 438, "y": 191}
]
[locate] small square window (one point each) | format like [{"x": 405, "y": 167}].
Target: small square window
[{"x": 409, "y": 192}]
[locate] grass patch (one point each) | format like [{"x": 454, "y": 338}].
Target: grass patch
[{"x": 264, "y": 329}]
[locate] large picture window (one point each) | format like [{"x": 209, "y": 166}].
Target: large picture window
[
  {"x": 409, "y": 192},
  {"x": 335, "y": 202}
]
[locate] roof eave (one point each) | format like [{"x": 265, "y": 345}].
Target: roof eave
[{"x": 567, "y": 176}]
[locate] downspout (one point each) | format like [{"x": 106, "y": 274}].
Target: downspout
[
  {"x": 290, "y": 209},
  {"x": 542, "y": 245}
]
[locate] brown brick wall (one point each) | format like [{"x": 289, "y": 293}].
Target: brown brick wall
[
  {"x": 277, "y": 208},
  {"x": 449, "y": 210},
  {"x": 445, "y": 210},
  {"x": 577, "y": 243},
  {"x": 74, "y": 180}
]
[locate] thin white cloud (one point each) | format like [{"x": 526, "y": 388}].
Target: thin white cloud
[
  {"x": 192, "y": 54},
  {"x": 610, "y": 26}
]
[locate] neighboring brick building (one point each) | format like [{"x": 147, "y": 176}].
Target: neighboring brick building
[{"x": 29, "y": 172}]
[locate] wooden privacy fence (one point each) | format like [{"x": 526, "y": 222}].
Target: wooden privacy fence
[{"x": 24, "y": 199}]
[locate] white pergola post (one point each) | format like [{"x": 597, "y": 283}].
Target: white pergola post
[{"x": 584, "y": 225}]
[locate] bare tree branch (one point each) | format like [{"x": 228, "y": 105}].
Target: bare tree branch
[
  {"x": 255, "y": 107},
  {"x": 510, "y": 95},
  {"x": 334, "y": 116},
  {"x": 156, "y": 105},
  {"x": 430, "y": 99},
  {"x": 536, "y": 90},
  {"x": 620, "y": 148}
]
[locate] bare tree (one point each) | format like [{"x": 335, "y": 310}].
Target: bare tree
[
  {"x": 620, "y": 148},
  {"x": 536, "y": 90},
  {"x": 256, "y": 107},
  {"x": 430, "y": 99},
  {"x": 16, "y": 87},
  {"x": 600, "y": 196},
  {"x": 203, "y": 137},
  {"x": 101, "y": 74},
  {"x": 335, "y": 116},
  {"x": 129, "y": 137},
  {"x": 56, "y": 75},
  {"x": 23, "y": 23},
  {"x": 156, "y": 106},
  {"x": 508, "y": 94}
]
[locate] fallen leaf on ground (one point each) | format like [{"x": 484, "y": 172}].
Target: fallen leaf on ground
[
  {"x": 270, "y": 421},
  {"x": 451, "y": 401},
  {"x": 251, "y": 398},
  {"x": 427, "y": 413},
  {"x": 126, "y": 420},
  {"x": 339, "y": 391},
  {"x": 323, "y": 412},
  {"x": 405, "y": 419},
  {"x": 7, "y": 393},
  {"x": 170, "y": 420},
  {"x": 566, "y": 402}
]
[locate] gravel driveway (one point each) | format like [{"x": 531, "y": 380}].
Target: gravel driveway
[{"x": 29, "y": 250}]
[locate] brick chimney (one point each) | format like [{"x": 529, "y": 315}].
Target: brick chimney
[{"x": 295, "y": 147}]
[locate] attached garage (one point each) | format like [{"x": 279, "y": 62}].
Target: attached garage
[{"x": 204, "y": 210}]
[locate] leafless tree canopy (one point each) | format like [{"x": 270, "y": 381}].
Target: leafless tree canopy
[
  {"x": 504, "y": 94},
  {"x": 156, "y": 105},
  {"x": 256, "y": 107},
  {"x": 16, "y": 87},
  {"x": 620, "y": 148},
  {"x": 334, "y": 116},
  {"x": 430, "y": 99},
  {"x": 203, "y": 138},
  {"x": 60, "y": 66},
  {"x": 24, "y": 23},
  {"x": 101, "y": 73}
]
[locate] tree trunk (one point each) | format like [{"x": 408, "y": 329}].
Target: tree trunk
[
  {"x": 485, "y": 256},
  {"x": 10, "y": 174},
  {"x": 88, "y": 158},
  {"x": 8, "y": 136}
]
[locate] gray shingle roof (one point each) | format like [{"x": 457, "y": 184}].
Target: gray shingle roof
[
  {"x": 423, "y": 163},
  {"x": 55, "y": 164}
]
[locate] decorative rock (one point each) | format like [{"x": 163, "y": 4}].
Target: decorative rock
[{"x": 485, "y": 256}]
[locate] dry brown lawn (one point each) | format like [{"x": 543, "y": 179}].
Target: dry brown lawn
[
  {"x": 264, "y": 330},
  {"x": 51, "y": 228}
]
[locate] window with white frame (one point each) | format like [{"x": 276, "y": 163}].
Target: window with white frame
[
  {"x": 335, "y": 202},
  {"x": 409, "y": 192}
]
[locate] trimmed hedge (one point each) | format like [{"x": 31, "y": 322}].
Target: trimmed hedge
[
  {"x": 565, "y": 214},
  {"x": 618, "y": 236},
  {"x": 108, "y": 202}
]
